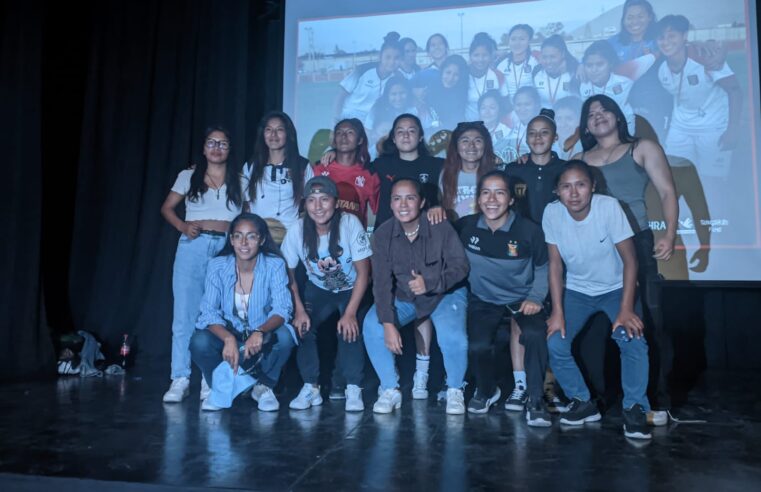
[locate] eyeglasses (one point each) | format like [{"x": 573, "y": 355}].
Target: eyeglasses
[
  {"x": 220, "y": 144},
  {"x": 251, "y": 237}
]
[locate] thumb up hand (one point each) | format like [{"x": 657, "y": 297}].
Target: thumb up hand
[{"x": 417, "y": 284}]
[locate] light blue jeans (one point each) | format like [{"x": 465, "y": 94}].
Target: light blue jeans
[
  {"x": 188, "y": 278},
  {"x": 578, "y": 308},
  {"x": 449, "y": 320}
]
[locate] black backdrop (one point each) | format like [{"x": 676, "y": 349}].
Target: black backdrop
[{"x": 101, "y": 104}]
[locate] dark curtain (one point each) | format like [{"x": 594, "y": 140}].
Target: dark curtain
[
  {"x": 159, "y": 73},
  {"x": 25, "y": 348}
]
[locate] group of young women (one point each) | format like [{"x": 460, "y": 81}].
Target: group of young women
[
  {"x": 463, "y": 245},
  {"x": 686, "y": 94}
]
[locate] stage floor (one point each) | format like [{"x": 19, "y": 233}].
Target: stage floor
[{"x": 115, "y": 434}]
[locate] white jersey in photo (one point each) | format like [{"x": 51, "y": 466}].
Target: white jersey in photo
[
  {"x": 588, "y": 247},
  {"x": 617, "y": 88},
  {"x": 363, "y": 91},
  {"x": 516, "y": 75},
  {"x": 477, "y": 87},
  {"x": 552, "y": 89},
  {"x": 700, "y": 104}
]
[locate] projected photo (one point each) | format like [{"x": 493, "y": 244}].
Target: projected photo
[{"x": 680, "y": 70}]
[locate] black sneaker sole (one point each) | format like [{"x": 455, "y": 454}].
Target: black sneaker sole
[
  {"x": 637, "y": 434},
  {"x": 592, "y": 418},
  {"x": 515, "y": 407}
]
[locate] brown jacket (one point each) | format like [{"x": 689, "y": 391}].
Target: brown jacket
[{"x": 436, "y": 254}]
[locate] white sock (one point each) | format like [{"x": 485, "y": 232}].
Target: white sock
[
  {"x": 421, "y": 363},
  {"x": 520, "y": 379}
]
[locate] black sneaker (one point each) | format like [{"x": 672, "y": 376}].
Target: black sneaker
[
  {"x": 580, "y": 412},
  {"x": 537, "y": 415},
  {"x": 481, "y": 404},
  {"x": 517, "y": 399},
  {"x": 635, "y": 423}
]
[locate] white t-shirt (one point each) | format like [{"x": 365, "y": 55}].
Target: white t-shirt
[
  {"x": 477, "y": 86},
  {"x": 363, "y": 91},
  {"x": 617, "y": 88},
  {"x": 699, "y": 103},
  {"x": 275, "y": 196},
  {"x": 211, "y": 205},
  {"x": 516, "y": 76},
  {"x": 517, "y": 138},
  {"x": 328, "y": 273},
  {"x": 553, "y": 89},
  {"x": 588, "y": 247}
]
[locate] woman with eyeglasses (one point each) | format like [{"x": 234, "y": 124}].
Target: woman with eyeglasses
[
  {"x": 276, "y": 174},
  {"x": 211, "y": 190},
  {"x": 334, "y": 249},
  {"x": 244, "y": 312}
]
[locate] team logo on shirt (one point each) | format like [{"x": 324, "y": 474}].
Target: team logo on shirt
[
  {"x": 498, "y": 135},
  {"x": 512, "y": 249},
  {"x": 565, "y": 86},
  {"x": 360, "y": 181},
  {"x": 520, "y": 190},
  {"x": 474, "y": 243},
  {"x": 325, "y": 173},
  {"x": 423, "y": 177},
  {"x": 617, "y": 89},
  {"x": 692, "y": 79}
]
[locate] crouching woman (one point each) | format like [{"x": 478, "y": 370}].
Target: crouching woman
[{"x": 244, "y": 309}]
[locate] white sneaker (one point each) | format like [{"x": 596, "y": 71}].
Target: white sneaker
[
  {"x": 177, "y": 391},
  {"x": 205, "y": 390},
  {"x": 257, "y": 391},
  {"x": 268, "y": 401},
  {"x": 657, "y": 418},
  {"x": 207, "y": 406},
  {"x": 354, "y": 401},
  {"x": 455, "y": 402},
  {"x": 420, "y": 386},
  {"x": 307, "y": 397},
  {"x": 388, "y": 400}
]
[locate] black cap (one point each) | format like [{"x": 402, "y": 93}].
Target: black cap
[{"x": 321, "y": 184}]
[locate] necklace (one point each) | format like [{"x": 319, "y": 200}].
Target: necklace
[
  {"x": 410, "y": 234},
  {"x": 214, "y": 185},
  {"x": 606, "y": 161},
  {"x": 245, "y": 296}
]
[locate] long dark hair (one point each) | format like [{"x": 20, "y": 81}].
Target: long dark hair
[
  {"x": 361, "y": 154},
  {"x": 557, "y": 42},
  {"x": 453, "y": 162},
  {"x": 587, "y": 139},
  {"x": 389, "y": 147},
  {"x": 603, "y": 49},
  {"x": 382, "y": 109},
  {"x": 266, "y": 247},
  {"x": 650, "y": 33},
  {"x": 293, "y": 161},
  {"x": 198, "y": 184},
  {"x": 311, "y": 239}
]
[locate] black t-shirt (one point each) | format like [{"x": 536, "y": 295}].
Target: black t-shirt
[
  {"x": 535, "y": 185},
  {"x": 425, "y": 169}
]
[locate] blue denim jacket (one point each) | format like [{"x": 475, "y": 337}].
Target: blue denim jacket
[{"x": 270, "y": 295}]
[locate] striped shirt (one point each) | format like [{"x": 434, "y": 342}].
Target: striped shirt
[{"x": 270, "y": 295}]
